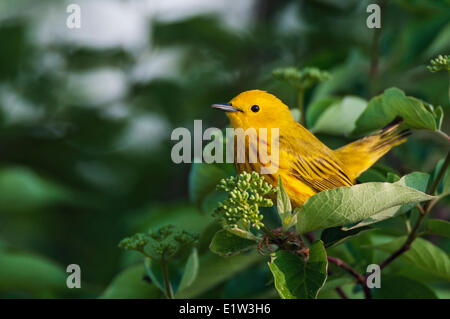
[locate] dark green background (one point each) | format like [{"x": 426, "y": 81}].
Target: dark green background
[{"x": 79, "y": 173}]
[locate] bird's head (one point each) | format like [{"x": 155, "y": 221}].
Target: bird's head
[{"x": 257, "y": 109}]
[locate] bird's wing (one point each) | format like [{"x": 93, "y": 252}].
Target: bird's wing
[{"x": 317, "y": 168}]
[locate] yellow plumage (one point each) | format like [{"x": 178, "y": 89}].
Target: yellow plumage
[{"x": 306, "y": 165}]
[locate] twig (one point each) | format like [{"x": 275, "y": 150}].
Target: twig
[
  {"x": 341, "y": 293},
  {"x": 360, "y": 278},
  {"x": 338, "y": 289}
]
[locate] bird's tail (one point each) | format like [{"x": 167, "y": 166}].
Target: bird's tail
[{"x": 358, "y": 156}]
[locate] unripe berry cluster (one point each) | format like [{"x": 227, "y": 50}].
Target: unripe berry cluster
[
  {"x": 165, "y": 241},
  {"x": 246, "y": 193},
  {"x": 442, "y": 62}
]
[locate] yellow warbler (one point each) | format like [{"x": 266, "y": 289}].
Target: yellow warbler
[{"x": 305, "y": 165}]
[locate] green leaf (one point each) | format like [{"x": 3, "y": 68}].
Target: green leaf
[
  {"x": 225, "y": 243},
  {"x": 347, "y": 205},
  {"x": 215, "y": 269},
  {"x": 399, "y": 287},
  {"x": 335, "y": 235},
  {"x": 438, "y": 227},
  {"x": 377, "y": 173},
  {"x": 416, "y": 180},
  {"x": 374, "y": 117},
  {"x": 203, "y": 179},
  {"x": 439, "y": 116},
  {"x": 130, "y": 283},
  {"x": 154, "y": 272},
  {"x": 241, "y": 233},
  {"x": 445, "y": 180},
  {"x": 315, "y": 110},
  {"x": 297, "y": 279},
  {"x": 190, "y": 270},
  {"x": 393, "y": 102},
  {"x": 29, "y": 273},
  {"x": 340, "y": 118},
  {"x": 412, "y": 110},
  {"x": 422, "y": 254},
  {"x": 284, "y": 206}
]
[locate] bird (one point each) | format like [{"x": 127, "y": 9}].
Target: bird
[{"x": 306, "y": 166}]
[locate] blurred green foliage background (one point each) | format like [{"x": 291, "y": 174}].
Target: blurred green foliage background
[{"x": 86, "y": 116}]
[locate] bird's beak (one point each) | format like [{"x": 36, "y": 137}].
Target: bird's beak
[{"x": 227, "y": 107}]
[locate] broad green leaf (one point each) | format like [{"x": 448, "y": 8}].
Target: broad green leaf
[
  {"x": 374, "y": 117},
  {"x": 29, "y": 273},
  {"x": 203, "y": 179},
  {"x": 215, "y": 269},
  {"x": 412, "y": 110},
  {"x": 335, "y": 235},
  {"x": 393, "y": 102},
  {"x": 314, "y": 110},
  {"x": 225, "y": 243},
  {"x": 130, "y": 283},
  {"x": 399, "y": 287},
  {"x": 340, "y": 118},
  {"x": 422, "y": 254},
  {"x": 438, "y": 227},
  {"x": 416, "y": 180},
  {"x": 347, "y": 205},
  {"x": 296, "y": 278},
  {"x": 190, "y": 270}
]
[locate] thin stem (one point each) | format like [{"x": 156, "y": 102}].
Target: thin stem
[
  {"x": 166, "y": 278},
  {"x": 265, "y": 229},
  {"x": 440, "y": 174},
  {"x": 405, "y": 247},
  {"x": 301, "y": 106},
  {"x": 341, "y": 293},
  {"x": 423, "y": 212},
  {"x": 360, "y": 278}
]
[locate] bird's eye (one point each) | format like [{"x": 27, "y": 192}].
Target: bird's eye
[{"x": 255, "y": 108}]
